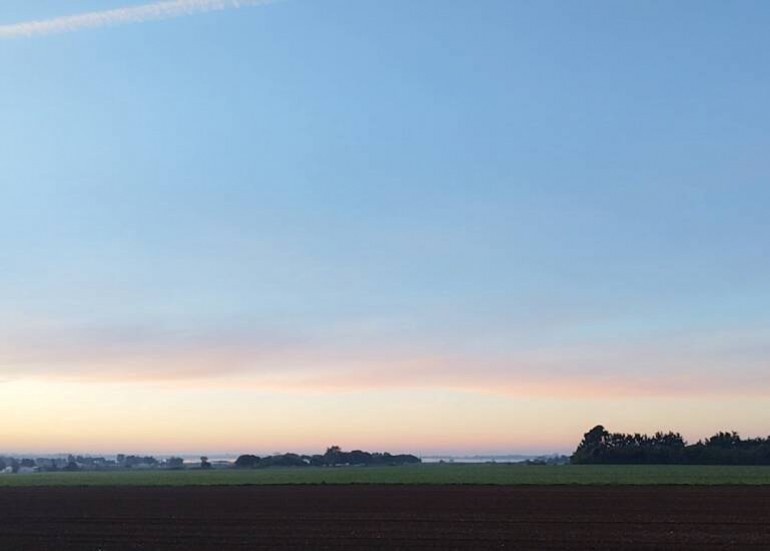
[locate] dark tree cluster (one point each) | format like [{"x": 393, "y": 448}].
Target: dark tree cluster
[
  {"x": 134, "y": 461},
  {"x": 333, "y": 457},
  {"x": 724, "y": 448}
]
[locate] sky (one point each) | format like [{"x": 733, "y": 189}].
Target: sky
[{"x": 426, "y": 227}]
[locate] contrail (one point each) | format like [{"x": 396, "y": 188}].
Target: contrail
[{"x": 118, "y": 16}]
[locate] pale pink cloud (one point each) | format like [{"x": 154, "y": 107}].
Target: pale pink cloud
[
  {"x": 705, "y": 364},
  {"x": 133, "y": 14}
]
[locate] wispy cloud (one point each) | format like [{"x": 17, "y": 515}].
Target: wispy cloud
[
  {"x": 133, "y": 14},
  {"x": 696, "y": 364}
]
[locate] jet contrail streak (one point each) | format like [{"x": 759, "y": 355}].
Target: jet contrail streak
[{"x": 133, "y": 14}]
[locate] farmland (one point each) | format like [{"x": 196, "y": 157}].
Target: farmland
[
  {"x": 430, "y": 506},
  {"x": 427, "y": 474},
  {"x": 407, "y": 517}
]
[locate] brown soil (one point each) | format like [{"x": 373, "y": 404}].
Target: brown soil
[{"x": 383, "y": 517}]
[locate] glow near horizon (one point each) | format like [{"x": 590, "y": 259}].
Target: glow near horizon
[
  {"x": 110, "y": 418},
  {"x": 278, "y": 232}
]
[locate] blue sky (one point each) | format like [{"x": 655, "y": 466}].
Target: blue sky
[{"x": 368, "y": 197}]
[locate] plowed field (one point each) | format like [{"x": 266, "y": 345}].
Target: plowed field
[{"x": 384, "y": 517}]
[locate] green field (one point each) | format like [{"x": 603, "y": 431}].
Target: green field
[{"x": 421, "y": 474}]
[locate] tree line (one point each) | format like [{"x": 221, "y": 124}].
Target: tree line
[
  {"x": 600, "y": 446},
  {"x": 86, "y": 463},
  {"x": 333, "y": 456}
]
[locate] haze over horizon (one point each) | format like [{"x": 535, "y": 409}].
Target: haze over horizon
[{"x": 428, "y": 227}]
